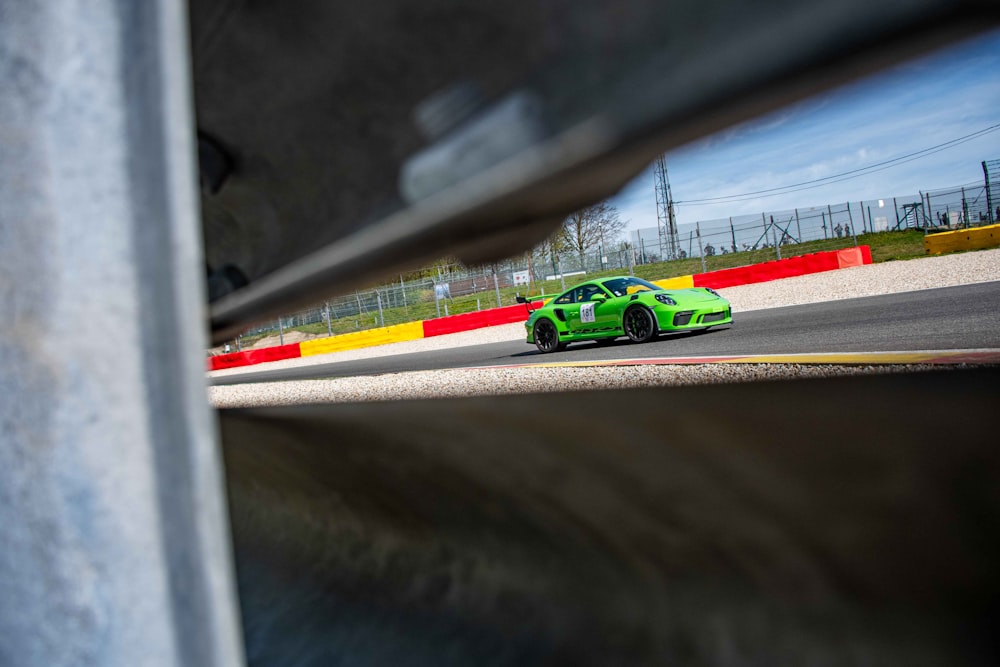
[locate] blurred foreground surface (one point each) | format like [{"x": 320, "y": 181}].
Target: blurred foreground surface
[{"x": 659, "y": 526}]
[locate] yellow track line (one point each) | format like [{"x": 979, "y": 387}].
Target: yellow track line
[{"x": 938, "y": 357}]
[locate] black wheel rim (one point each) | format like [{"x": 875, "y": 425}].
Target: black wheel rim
[
  {"x": 638, "y": 324},
  {"x": 545, "y": 336}
]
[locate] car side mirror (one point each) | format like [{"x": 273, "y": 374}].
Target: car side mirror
[{"x": 600, "y": 298}]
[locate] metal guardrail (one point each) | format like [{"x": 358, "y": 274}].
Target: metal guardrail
[{"x": 349, "y": 542}]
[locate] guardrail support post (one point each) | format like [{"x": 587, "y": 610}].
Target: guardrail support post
[{"x": 116, "y": 544}]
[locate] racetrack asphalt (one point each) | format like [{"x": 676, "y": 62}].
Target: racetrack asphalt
[{"x": 949, "y": 318}]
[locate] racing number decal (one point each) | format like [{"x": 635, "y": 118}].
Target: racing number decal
[{"x": 587, "y": 312}]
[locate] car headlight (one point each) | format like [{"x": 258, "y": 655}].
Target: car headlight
[
  {"x": 663, "y": 298},
  {"x": 709, "y": 289}
]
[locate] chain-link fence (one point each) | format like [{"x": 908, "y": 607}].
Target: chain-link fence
[
  {"x": 821, "y": 227},
  {"x": 451, "y": 289},
  {"x": 454, "y": 289}
]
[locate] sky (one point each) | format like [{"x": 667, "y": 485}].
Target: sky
[{"x": 940, "y": 98}]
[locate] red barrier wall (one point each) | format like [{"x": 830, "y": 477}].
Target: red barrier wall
[
  {"x": 478, "y": 319},
  {"x": 854, "y": 256},
  {"x": 250, "y": 357},
  {"x": 784, "y": 268}
]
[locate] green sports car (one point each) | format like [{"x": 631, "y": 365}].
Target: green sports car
[{"x": 607, "y": 308}]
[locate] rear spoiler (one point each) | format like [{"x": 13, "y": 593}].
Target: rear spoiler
[{"x": 538, "y": 301}]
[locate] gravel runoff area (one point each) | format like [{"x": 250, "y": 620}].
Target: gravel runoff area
[{"x": 870, "y": 280}]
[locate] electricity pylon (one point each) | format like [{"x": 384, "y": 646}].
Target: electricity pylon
[{"x": 665, "y": 221}]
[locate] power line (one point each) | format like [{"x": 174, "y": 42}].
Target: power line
[
  {"x": 854, "y": 173},
  {"x": 811, "y": 187},
  {"x": 844, "y": 176}
]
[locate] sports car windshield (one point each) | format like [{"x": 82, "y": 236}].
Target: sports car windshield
[{"x": 623, "y": 286}]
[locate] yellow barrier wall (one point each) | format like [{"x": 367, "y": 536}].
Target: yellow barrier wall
[
  {"x": 974, "y": 238},
  {"x": 680, "y": 282},
  {"x": 394, "y": 334}
]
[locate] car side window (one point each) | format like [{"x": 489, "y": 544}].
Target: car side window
[
  {"x": 616, "y": 287},
  {"x": 566, "y": 298},
  {"x": 588, "y": 291}
]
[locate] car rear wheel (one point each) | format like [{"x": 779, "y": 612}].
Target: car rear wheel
[
  {"x": 546, "y": 336},
  {"x": 639, "y": 324}
]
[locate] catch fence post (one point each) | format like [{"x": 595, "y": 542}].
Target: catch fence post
[
  {"x": 697, "y": 229},
  {"x": 281, "y": 332},
  {"x": 763, "y": 222},
  {"x": 774, "y": 235},
  {"x": 799, "y": 226},
  {"x": 989, "y": 192}
]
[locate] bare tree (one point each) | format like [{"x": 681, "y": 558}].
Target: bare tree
[
  {"x": 550, "y": 248},
  {"x": 591, "y": 227}
]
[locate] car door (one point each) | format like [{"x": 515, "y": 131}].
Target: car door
[
  {"x": 563, "y": 307},
  {"x": 571, "y": 310},
  {"x": 593, "y": 314},
  {"x": 599, "y": 311}
]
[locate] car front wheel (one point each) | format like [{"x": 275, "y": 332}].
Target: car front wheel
[
  {"x": 546, "y": 336},
  {"x": 639, "y": 324}
]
